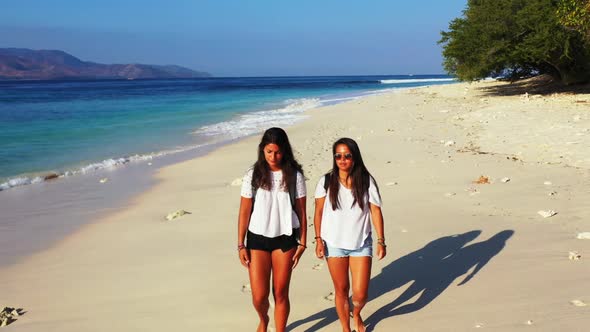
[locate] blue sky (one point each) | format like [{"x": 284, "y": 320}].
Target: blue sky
[{"x": 240, "y": 37}]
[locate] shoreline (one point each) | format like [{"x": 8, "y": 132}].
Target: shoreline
[
  {"x": 93, "y": 195},
  {"x": 132, "y": 266}
]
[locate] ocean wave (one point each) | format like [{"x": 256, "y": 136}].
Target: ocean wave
[
  {"x": 417, "y": 80},
  {"x": 86, "y": 169},
  {"x": 253, "y": 122}
]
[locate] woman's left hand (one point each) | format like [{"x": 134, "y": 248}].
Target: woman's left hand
[
  {"x": 298, "y": 253},
  {"x": 381, "y": 251}
]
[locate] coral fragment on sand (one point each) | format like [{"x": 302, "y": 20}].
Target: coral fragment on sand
[
  {"x": 547, "y": 213},
  {"x": 176, "y": 214},
  {"x": 482, "y": 180}
]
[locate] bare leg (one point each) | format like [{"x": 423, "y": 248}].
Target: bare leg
[
  {"x": 338, "y": 267},
  {"x": 360, "y": 267},
  {"x": 260, "y": 266},
  {"x": 282, "y": 263}
]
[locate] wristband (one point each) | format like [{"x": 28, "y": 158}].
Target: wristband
[
  {"x": 302, "y": 245},
  {"x": 241, "y": 246}
]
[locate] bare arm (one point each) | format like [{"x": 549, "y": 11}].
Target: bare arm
[
  {"x": 317, "y": 224},
  {"x": 377, "y": 218},
  {"x": 300, "y": 208},
  {"x": 243, "y": 222}
]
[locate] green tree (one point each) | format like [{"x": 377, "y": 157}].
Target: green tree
[
  {"x": 515, "y": 39},
  {"x": 575, "y": 15}
]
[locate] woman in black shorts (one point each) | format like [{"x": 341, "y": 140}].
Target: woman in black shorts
[{"x": 272, "y": 220}]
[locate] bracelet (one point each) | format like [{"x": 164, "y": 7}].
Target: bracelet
[
  {"x": 303, "y": 245},
  {"x": 241, "y": 246},
  {"x": 382, "y": 244},
  {"x": 381, "y": 239},
  {"x": 317, "y": 237}
]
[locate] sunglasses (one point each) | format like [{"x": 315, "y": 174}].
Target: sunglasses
[{"x": 339, "y": 156}]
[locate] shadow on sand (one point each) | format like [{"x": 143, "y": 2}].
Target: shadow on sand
[
  {"x": 430, "y": 271},
  {"x": 539, "y": 85}
]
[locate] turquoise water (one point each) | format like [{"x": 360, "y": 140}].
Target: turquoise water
[{"x": 70, "y": 127}]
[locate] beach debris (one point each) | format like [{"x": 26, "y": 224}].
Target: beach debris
[
  {"x": 237, "y": 182},
  {"x": 450, "y": 194},
  {"x": 478, "y": 325},
  {"x": 552, "y": 193},
  {"x": 472, "y": 191},
  {"x": 529, "y": 322},
  {"x": 246, "y": 288},
  {"x": 547, "y": 213},
  {"x": 318, "y": 266},
  {"x": 578, "y": 303},
  {"x": 9, "y": 315},
  {"x": 574, "y": 256},
  {"x": 547, "y": 183},
  {"x": 525, "y": 97},
  {"x": 444, "y": 111},
  {"x": 394, "y": 183},
  {"x": 103, "y": 180},
  {"x": 176, "y": 214},
  {"x": 449, "y": 143},
  {"x": 504, "y": 180},
  {"x": 329, "y": 297},
  {"x": 51, "y": 176},
  {"x": 482, "y": 180},
  {"x": 583, "y": 236}
]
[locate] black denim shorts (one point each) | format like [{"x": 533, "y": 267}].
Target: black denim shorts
[{"x": 270, "y": 244}]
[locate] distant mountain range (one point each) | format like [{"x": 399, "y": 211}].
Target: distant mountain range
[{"x": 26, "y": 64}]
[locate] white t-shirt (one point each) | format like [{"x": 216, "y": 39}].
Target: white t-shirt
[
  {"x": 346, "y": 227},
  {"x": 273, "y": 214}
]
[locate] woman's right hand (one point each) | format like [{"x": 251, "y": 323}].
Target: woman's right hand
[
  {"x": 244, "y": 257},
  {"x": 319, "y": 249}
]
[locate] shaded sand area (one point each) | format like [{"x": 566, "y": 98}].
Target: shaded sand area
[{"x": 461, "y": 255}]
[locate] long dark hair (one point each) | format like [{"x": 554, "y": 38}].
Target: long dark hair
[
  {"x": 359, "y": 175},
  {"x": 261, "y": 175}
]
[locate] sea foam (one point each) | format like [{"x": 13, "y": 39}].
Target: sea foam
[
  {"x": 251, "y": 123},
  {"x": 417, "y": 80}
]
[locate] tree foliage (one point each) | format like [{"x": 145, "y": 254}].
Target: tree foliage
[
  {"x": 516, "y": 39},
  {"x": 575, "y": 14}
]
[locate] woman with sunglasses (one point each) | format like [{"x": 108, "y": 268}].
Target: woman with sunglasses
[
  {"x": 346, "y": 200},
  {"x": 272, "y": 220}
]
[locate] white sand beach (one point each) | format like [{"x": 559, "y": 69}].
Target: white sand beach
[{"x": 461, "y": 255}]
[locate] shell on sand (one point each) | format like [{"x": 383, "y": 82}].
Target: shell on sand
[
  {"x": 237, "y": 182},
  {"x": 547, "y": 214},
  {"x": 504, "y": 180},
  {"x": 176, "y": 214},
  {"x": 246, "y": 288},
  {"x": 318, "y": 266},
  {"x": 578, "y": 303},
  {"x": 329, "y": 297},
  {"x": 449, "y": 143},
  {"x": 574, "y": 255},
  {"x": 583, "y": 236}
]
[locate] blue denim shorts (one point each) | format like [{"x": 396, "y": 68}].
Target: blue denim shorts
[{"x": 365, "y": 250}]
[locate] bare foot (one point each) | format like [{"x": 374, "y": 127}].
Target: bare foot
[
  {"x": 262, "y": 327},
  {"x": 358, "y": 322}
]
